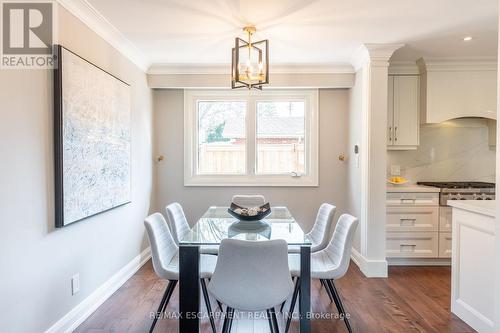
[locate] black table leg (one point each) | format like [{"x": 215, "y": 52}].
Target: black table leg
[
  {"x": 305, "y": 289},
  {"x": 189, "y": 289}
]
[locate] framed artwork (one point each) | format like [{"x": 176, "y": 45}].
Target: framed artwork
[{"x": 91, "y": 139}]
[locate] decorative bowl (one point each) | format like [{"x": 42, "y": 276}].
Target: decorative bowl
[
  {"x": 398, "y": 181},
  {"x": 241, "y": 213}
]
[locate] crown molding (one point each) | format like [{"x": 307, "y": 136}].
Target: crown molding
[
  {"x": 403, "y": 68},
  {"x": 216, "y": 69},
  {"x": 376, "y": 54},
  {"x": 86, "y": 13},
  {"x": 457, "y": 64}
]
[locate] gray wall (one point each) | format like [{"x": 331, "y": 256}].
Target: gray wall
[
  {"x": 303, "y": 202},
  {"x": 36, "y": 260}
]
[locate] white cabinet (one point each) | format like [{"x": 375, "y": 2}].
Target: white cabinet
[
  {"x": 445, "y": 245},
  {"x": 473, "y": 269},
  {"x": 412, "y": 219},
  {"x": 411, "y": 199},
  {"x": 403, "y": 112},
  {"x": 456, "y": 89},
  {"x": 412, "y": 225},
  {"x": 445, "y": 215},
  {"x": 412, "y": 245}
]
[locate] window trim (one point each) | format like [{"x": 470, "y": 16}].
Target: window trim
[{"x": 191, "y": 178}]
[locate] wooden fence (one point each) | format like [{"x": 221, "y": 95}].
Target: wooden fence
[{"x": 271, "y": 158}]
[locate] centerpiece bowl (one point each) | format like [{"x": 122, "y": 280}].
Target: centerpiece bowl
[{"x": 249, "y": 214}]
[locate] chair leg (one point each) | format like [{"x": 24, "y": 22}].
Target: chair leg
[
  {"x": 338, "y": 303},
  {"x": 274, "y": 320},
  {"x": 171, "y": 291},
  {"x": 228, "y": 320},
  {"x": 270, "y": 321},
  {"x": 208, "y": 305},
  {"x": 282, "y": 306},
  {"x": 323, "y": 282},
  {"x": 220, "y": 305},
  {"x": 292, "y": 305},
  {"x": 163, "y": 303}
]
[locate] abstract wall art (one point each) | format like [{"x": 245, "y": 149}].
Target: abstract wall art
[{"x": 92, "y": 139}]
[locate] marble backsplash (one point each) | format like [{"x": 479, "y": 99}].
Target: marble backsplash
[{"x": 457, "y": 150}]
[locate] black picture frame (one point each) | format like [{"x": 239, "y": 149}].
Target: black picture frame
[{"x": 58, "y": 122}]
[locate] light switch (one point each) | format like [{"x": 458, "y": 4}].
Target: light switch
[{"x": 75, "y": 284}]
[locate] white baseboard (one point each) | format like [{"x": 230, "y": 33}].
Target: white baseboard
[
  {"x": 418, "y": 262},
  {"x": 370, "y": 268},
  {"x": 472, "y": 316},
  {"x": 82, "y": 311}
]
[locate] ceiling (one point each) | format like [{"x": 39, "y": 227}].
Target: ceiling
[{"x": 304, "y": 31}]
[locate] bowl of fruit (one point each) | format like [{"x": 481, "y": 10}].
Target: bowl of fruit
[
  {"x": 397, "y": 180},
  {"x": 249, "y": 213}
]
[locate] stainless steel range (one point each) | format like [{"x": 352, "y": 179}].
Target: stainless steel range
[{"x": 463, "y": 191}]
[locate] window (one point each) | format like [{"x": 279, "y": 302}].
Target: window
[
  {"x": 280, "y": 137},
  {"x": 242, "y": 138},
  {"x": 221, "y": 137}
]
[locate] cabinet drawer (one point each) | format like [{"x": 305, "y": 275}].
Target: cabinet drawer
[
  {"x": 412, "y": 218},
  {"x": 412, "y": 245},
  {"x": 412, "y": 199},
  {"x": 445, "y": 245},
  {"x": 445, "y": 214}
]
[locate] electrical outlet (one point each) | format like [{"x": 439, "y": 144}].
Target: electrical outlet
[
  {"x": 396, "y": 170},
  {"x": 75, "y": 284}
]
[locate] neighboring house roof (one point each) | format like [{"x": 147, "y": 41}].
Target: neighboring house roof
[{"x": 271, "y": 127}]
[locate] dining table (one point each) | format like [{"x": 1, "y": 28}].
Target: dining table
[{"x": 217, "y": 224}]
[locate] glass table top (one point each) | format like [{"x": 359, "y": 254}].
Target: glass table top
[{"x": 217, "y": 224}]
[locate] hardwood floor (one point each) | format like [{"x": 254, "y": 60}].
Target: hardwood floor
[{"x": 412, "y": 299}]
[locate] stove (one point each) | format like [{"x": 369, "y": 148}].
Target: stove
[{"x": 463, "y": 191}]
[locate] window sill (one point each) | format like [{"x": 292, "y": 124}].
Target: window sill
[{"x": 261, "y": 181}]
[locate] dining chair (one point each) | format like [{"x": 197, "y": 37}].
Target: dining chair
[
  {"x": 248, "y": 201},
  {"x": 180, "y": 227},
  {"x": 165, "y": 253},
  {"x": 251, "y": 276},
  {"x": 328, "y": 265},
  {"x": 320, "y": 232}
]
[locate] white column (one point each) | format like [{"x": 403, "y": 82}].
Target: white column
[{"x": 373, "y": 62}]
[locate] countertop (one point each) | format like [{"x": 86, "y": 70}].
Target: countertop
[
  {"x": 486, "y": 207},
  {"x": 412, "y": 188}
]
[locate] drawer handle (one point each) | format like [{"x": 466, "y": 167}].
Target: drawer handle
[
  {"x": 408, "y": 200},
  {"x": 407, "y": 222},
  {"x": 407, "y": 247}
]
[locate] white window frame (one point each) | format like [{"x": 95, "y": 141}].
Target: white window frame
[{"x": 192, "y": 178}]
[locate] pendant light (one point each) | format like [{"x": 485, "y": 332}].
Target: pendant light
[{"x": 250, "y": 62}]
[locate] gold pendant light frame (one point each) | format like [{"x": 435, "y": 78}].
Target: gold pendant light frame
[{"x": 244, "y": 79}]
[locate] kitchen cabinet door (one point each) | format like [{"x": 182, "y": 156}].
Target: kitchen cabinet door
[
  {"x": 406, "y": 111},
  {"x": 390, "y": 111}
]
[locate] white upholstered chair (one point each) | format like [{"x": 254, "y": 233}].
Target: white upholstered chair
[
  {"x": 248, "y": 201},
  {"x": 328, "y": 264},
  {"x": 251, "y": 276},
  {"x": 165, "y": 253},
  {"x": 180, "y": 227},
  {"x": 320, "y": 232}
]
